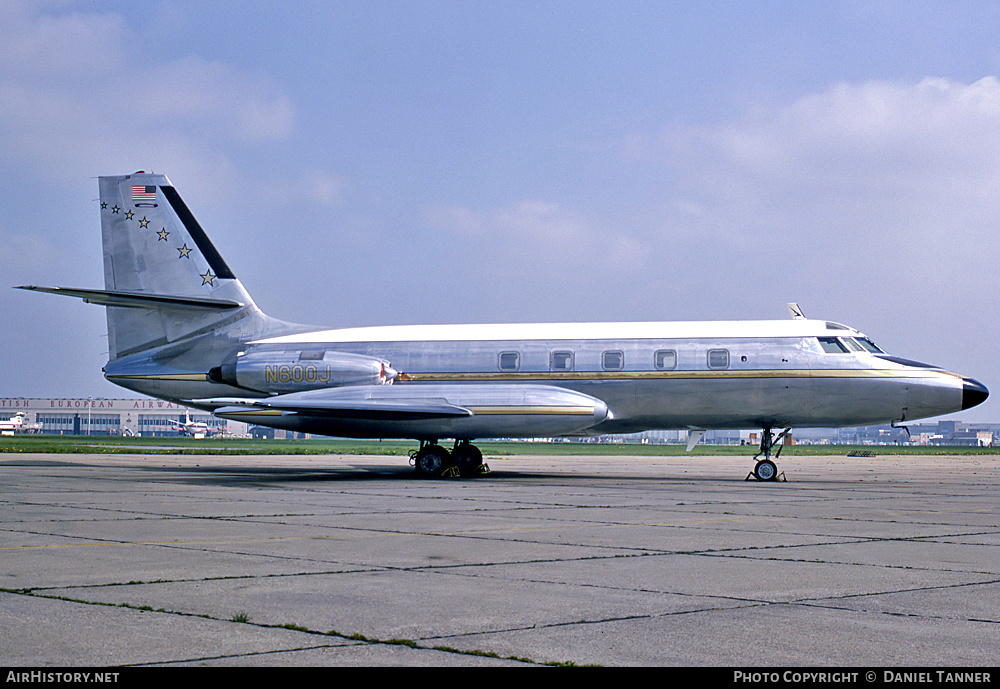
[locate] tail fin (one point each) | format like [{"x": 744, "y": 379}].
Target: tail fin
[
  {"x": 164, "y": 280},
  {"x": 175, "y": 310}
]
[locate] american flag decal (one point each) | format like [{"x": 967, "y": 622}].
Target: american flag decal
[{"x": 142, "y": 194}]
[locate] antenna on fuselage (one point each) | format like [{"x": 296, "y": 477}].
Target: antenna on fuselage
[{"x": 796, "y": 312}]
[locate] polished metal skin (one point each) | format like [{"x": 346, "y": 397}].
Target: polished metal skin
[{"x": 182, "y": 328}]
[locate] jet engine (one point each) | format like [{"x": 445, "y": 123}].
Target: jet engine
[{"x": 282, "y": 372}]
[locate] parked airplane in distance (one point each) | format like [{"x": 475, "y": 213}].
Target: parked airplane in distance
[
  {"x": 195, "y": 429},
  {"x": 12, "y": 424},
  {"x": 182, "y": 328}
]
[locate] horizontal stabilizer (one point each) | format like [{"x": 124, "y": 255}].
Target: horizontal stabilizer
[{"x": 137, "y": 300}]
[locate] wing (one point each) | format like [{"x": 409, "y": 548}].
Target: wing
[{"x": 422, "y": 411}]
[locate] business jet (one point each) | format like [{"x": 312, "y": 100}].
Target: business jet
[
  {"x": 195, "y": 429},
  {"x": 182, "y": 328}
]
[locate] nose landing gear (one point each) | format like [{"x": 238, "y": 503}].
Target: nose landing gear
[{"x": 765, "y": 469}]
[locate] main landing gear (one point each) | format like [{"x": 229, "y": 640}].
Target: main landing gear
[
  {"x": 765, "y": 469},
  {"x": 433, "y": 460}
]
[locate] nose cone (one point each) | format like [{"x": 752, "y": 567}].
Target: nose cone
[{"x": 973, "y": 393}]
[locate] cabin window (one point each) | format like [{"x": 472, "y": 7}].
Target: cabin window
[
  {"x": 831, "y": 345},
  {"x": 613, "y": 361},
  {"x": 561, "y": 361},
  {"x": 665, "y": 359},
  {"x": 509, "y": 361},
  {"x": 718, "y": 359},
  {"x": 312, "y": 355}
]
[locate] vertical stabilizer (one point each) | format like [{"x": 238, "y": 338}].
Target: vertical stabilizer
[{"x": 153, "y": 246}]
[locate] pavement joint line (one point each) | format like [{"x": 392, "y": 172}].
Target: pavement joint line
[
  {"x": 896, "y": 613},
  {"x": 357, "y": 639},
  {"x": 235, "y": 656},
  {"x": 749, "y": 552}
]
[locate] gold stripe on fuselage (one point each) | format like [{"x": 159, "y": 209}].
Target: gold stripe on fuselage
[
  {"x": 659, "y": 375},
  {"x": 487, "y": 376}
]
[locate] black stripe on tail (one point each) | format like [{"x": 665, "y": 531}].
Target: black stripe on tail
[{"x": 205, "y": 245}]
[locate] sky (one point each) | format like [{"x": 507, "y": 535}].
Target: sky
[{"x": 376, "y": 163}]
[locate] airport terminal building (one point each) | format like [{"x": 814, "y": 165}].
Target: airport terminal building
[{"x": 95, "y": 416}]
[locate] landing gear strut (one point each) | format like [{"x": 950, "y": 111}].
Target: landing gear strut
[
  {"x": 433, "y": 461},
  {"x": 765, "y": 469}
]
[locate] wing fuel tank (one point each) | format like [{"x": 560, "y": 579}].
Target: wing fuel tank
[{"x": 428, "y": 411}]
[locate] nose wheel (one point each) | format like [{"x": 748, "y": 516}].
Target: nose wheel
[{"x": 765, "y": 469}]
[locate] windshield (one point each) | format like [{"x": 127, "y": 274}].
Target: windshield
[
  {"x": 846, "y": 345},
  {"x": 869, "y": 345}
]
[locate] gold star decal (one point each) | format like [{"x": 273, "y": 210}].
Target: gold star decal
[
  {"x": 129, "y": 214},
  {"x": 115, "y": 209},
  {"x": 104, "y": 205},
  {"x": 207, "y": 278},
  {"x": 184, "y": 252},
  {"x": 143, "y": 222},
  {"x": 162, "y": 234}
]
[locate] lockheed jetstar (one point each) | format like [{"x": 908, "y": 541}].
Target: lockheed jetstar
[{"x": 182, "y": 328}]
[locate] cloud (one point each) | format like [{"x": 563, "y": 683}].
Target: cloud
[
  {"x": 51, "y": 49},
  {"x": 873, "y": 203},
  {"x": 851, "y": 173},
  {"x": 853, "y": 200},
  {"x": 879, "y": 132},
  {"x": 77, "y": 94},
  {"x": 320, "y": 187},
  {"x": 540, "y": 234}
]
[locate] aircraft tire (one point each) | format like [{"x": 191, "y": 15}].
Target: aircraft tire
[
  {"x": 431, "y": 461},
  {"x": 765, "y": 470},
  {"x": 468, "y": 458}
]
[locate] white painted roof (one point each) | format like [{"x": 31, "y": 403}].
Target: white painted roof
[{"x": 567, "y": 331}]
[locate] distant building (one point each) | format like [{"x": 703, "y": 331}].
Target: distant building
[{"x": 95, "y": 416}]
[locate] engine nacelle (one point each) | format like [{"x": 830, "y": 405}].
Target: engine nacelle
[{"x": 293, "y": 371}]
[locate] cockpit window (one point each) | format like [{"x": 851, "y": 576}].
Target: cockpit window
[
  {"x": 869, "y": 345},
  {"x": 846, "y": 345},
  {"x": 831, "y": 345}
]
